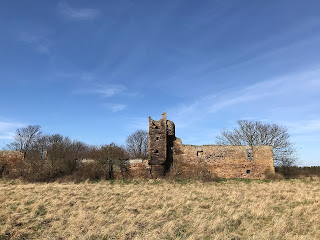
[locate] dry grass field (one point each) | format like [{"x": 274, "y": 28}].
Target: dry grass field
[{"x": 158, "y": 209}]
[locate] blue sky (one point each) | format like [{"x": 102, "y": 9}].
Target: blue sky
[{"x": 95, "y": 70}]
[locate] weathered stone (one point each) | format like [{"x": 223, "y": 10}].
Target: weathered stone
[
  {"x": 9, "y": 161},
  {"x": 223, "y": 161},
  {"x": 158, "y": 146},
  {"x": 168, "y": 154},
  {"x": 139, "y": 168},
  {"x": 136, "y": 168}
]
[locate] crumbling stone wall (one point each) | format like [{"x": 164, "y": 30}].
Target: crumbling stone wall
[
  {"x": 167, "y": 155},
  {"x": 158, "y": 146},
  {"x": 138, "y": 168},
  {"x": 9, "y": 161},
  {"x": 223, "y": 161}
]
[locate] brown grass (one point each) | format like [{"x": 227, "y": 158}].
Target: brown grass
[{"x": 158, "y": 209}]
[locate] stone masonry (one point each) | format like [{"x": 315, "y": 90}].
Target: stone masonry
[
  {"x": 9, "y": 161},
  {"x": 158, "y": 133},
  {"x": 167, "y": 154}
]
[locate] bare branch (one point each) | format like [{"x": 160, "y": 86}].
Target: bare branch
[
  {"x": 137, "y": 144},
  {"x": 253, "y": 133}
]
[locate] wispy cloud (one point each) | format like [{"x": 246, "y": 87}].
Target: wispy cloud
[
  {"x": 39, "y": 43},
  {"x": 269, "y": 51},
  {"x": 114, "y": 107},
  {"x": 7, "y": 129},
  {"x": 42, "y": 49},
  {"x": 7, "y": 136},
  {"x": 82, "y": 75},
  {"x": 106, "y": 91},
  {"x": 249, "y": 94},
  {"x": 268, "y": 90},
  {"x": 102, "y": 90},
  {"x": 109, "y": 91},
  {"x": 305, "y": 126},
  {"x": 77, "y": 13}
]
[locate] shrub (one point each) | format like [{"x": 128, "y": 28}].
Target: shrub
[
  {"x": 203, "y": 174},
  {"x": 90, "y": 171},
  {"x": 272, "y": 176},
  {"x": 299, "y": 172}
]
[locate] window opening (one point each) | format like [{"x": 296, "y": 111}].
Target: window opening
[
  {"x": 249, "y": 152},
  {"x": 248, "y": 171},
  {"x": 199, "y": 153}
]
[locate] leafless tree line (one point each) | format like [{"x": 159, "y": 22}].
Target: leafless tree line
[{"x": 50, "y": 156}]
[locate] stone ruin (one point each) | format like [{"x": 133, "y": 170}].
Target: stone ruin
[
  {"x": 9, "y": 160},
  {"x": 161, "y": 138},
  {"x": 168, "y": 156}
]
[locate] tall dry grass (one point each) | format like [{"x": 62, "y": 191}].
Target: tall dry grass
[{"x": 161, "y": 210}]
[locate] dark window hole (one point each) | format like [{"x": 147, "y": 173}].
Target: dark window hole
[{"x": 199, "y": 153}]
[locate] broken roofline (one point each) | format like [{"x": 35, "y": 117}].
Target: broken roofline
[{"x": 166, "y": 151}]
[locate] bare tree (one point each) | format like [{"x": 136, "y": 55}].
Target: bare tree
[
  {"x": 137, "y": 144},
  {"x": 253, "y": 133},
  {"x": 110, "y": 156},
  {"x": 63, "y": 154},
  {"x": 25, "y": 138}
]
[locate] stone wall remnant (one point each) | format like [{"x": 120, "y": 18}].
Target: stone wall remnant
[
  {"x": 167, "y": 154},
  {"x": 9, "y": 161}
]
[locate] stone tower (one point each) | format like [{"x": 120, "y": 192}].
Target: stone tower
[{"x": 161, "y": 137}]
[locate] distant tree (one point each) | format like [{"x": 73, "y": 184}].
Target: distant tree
[
  {"x": 25, "y": 138},
  {"x": 63, "y": 154},
  {"x": 110, "y": 156},
  {"x": 46, "y": 156},
  {"x": 137, "y": 144},
  {"x": 253, "y": 133}
]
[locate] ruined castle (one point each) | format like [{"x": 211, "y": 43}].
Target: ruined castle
[{"x": 167, "y": 155}]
